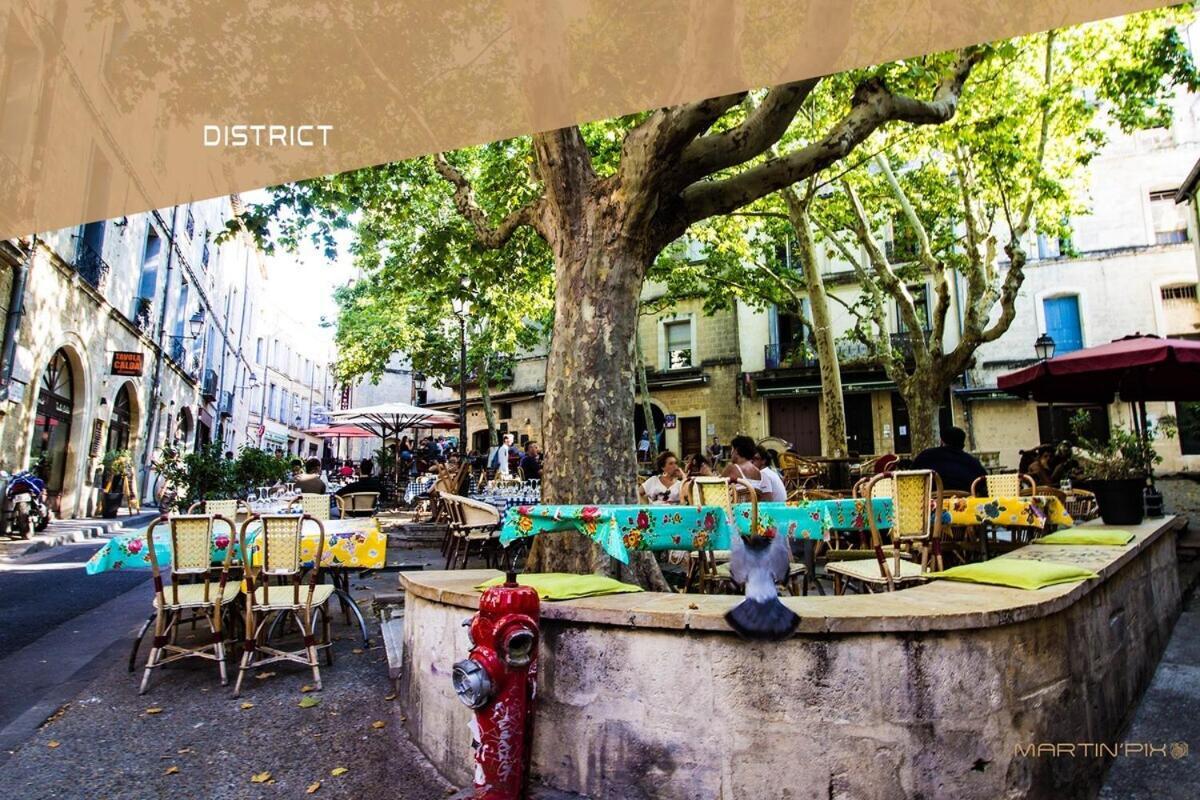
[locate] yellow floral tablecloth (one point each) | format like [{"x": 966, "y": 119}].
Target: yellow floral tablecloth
[
  {"x": 354, "y": 543},
  {"x": 1027, "y": 512}
]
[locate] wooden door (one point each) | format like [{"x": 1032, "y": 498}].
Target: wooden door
[
  {"x": 691, "y": 440},
  {"x": 860, "y": 424},
  {"x": 796, "y": 420}
]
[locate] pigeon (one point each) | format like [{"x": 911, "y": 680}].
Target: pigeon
[{"x": 758, "y": 563}]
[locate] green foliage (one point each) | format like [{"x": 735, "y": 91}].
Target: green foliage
[
  {"x": 206, "y": 474},
  {"x": 253, "y": 468},
  {"x": 1125, "y": 455}
]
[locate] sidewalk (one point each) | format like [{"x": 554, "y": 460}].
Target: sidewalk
[
  {"x": 1168, "y": 714},
  {"x": 61, "y": 531}
]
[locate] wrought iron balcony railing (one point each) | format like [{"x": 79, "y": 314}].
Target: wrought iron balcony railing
[
  {"x": 143, "y": 315},
  {"x": 90, "y": 266},
  {"x": 208, "y": 385},
  {"x": 225, "y": 407}
]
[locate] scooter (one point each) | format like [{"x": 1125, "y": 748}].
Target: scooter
[{"x": 24, "y": 508}]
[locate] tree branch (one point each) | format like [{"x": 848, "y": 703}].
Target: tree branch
[
  {"x": 468, "y": 207},
  {"x": 872, "y": 106},
  {"x": 763, "y": 127}
]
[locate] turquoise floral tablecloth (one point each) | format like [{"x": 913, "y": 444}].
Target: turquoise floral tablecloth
[
  {"x": 619, "y": 529},
  {"x": 355, "y": 542}
]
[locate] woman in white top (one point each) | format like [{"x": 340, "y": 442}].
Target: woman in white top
[
  {"x": 741, "y": 465},
  {"x": 663, "y": 488},
  {"x": 773, "y": 489}
]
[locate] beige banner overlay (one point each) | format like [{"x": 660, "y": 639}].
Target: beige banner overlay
[{"x": 116, "y": 106}]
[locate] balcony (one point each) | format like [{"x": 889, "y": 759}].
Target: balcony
[
  {"x": 208, "y": 385},
  {"x": 225, "y": 407},
  {"x": 797, "y": 355},
  {"x": 90, "y": 266}
]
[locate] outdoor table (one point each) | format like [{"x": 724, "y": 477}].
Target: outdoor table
[
  {"x": 354, "y": 543},
  {"x": 419, "y": 487},
  {"x": 621, "y": 528},
  {"x": 1037, "y": 511},
  {"x": 502, "y": 502}
]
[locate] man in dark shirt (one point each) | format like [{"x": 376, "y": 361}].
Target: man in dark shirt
[
  {"x": 531, "y": 462},
  {"x": 368, "y": 482},
  {"x": 310, "y": 482},
  {"x": 957, "y": 468}
]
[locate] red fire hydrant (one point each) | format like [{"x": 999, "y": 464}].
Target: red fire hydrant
[{"x": 498, "y": 680}]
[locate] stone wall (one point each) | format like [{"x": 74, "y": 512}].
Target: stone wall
[{"x": 646, "y": 712}]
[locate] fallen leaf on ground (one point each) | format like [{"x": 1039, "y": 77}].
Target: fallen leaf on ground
[
  {"x": 338, "y": 771},
  {"x": 171, "y": 770},
  {"x": 183, "y": 750},
  {"x": 693, "y": 606},
  {"x": 261, "y": 777},
  {"x": 390, "y": 697},
  {"x": 308, "y": 701},
  {"x": 312, "y": 787},
  {"x": 358, "y": 651},
  {"x": 262, "y": 676},
  {"x": 247, "y": 705},
  {"x": 53, "y": 744},
  {"x": 308, "y": 687},
  {"x": 377, "y": 724},
  {"x": 155, "y": 710}
]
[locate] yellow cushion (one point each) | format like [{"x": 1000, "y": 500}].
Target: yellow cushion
[
  {"x": 1077, "y": 536},
  {"x": 192, "y": 594},
  {"x": 867, "y": 569},
  {"x": 566, "y": 586},
  {"x": 281, "y": 596},
  {"x": 1019, "y": 573}
]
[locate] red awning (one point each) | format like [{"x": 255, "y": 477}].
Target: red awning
[
  {"x": 1138, "y": 368},
  {"x": 340, "y": 432}
]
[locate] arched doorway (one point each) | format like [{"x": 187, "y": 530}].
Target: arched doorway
[
  {"x": 183, "y": 431},
  {"x": 639, "y": 422},
  {"x": 52, "y": 424},
  {"x": 121, "y": 421}
]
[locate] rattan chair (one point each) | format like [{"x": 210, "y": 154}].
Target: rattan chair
[
  {"x": 191, "y": 558},
  {"x": 357, "y": 504},
  {"x": 1081, "y": 505},
  {"x": 230, "y": 509},
  {"x": 474, "y": 526},
  {"x": 1003, "y": 484},
  {"x": 314, "y": 505},
  {"x": 917, "y": 523},
  {"x": 279, "y": 545}
]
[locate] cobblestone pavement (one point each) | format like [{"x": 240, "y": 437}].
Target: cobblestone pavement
[{"x": 109, "y": 742}]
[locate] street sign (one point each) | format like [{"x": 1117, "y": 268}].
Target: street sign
[
  {"x": 127, "y": 363},
  {"x": 668, "y": 421}
]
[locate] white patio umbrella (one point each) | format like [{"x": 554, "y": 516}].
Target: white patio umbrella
[{"x": 388, "y": 420}]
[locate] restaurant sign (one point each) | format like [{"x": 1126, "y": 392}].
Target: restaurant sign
[
  {"x": 127, "y": 363},
  {"x": 668, "y": 421}
]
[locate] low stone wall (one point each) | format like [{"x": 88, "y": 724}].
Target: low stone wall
[{"x": 650, "y": 696}]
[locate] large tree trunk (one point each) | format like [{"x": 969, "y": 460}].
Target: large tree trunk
[
  {"x": 923, "y": 400},
  {"x": 588, "y": 410}
]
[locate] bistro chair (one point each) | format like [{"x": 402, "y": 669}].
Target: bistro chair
[
  {"x": 278, "y": 544},
  {"x": 230, "y": 509},
  {"x": 314, "y": 505},
  {"x": 917, "y": 522},
  {"x": 191, "y": 558},
  {"x": 1081, "y": 505},
  {"x": 473, "y": 526},
  {"x": 357, "y": 504},
  {"x": 1003, "y": 484},
  {"x": 796, "y": 581}
]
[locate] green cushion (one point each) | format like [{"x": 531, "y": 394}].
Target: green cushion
[
  {"x": 566, "y": 586},
  {"x": 1078, "y": 536},
  {"x": 1019, "y": 573}
]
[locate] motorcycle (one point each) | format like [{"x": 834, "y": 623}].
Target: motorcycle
[{"x": 24, "y": 508}]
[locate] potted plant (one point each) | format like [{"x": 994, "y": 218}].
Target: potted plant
[
  {"x": 117, "y": 464},
  {"x": 1118, "y": 471}
]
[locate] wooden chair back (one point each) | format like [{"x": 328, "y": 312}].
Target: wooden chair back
[
  {"x": 1003, "y": 484},
  {"x": 191, "y": 537},
  {"x": 916, "y": 517},
  {"x": 712, "y": 491},
  {"x": 358, "y": 502},
  {"x": 279, "y": 543},
  {"x": 884, "y": 487}
]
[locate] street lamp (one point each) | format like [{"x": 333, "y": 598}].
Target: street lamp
[
  {"x": 462, "y": 307},
  {"x": 1044, "y": 347},
  {"x": 196, "y": 323}
]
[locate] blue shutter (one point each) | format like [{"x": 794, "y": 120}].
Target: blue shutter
[{"x": 1062, "y": 323}]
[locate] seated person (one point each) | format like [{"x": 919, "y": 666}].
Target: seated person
[
  {"x": 531, "y": 462},
  {"x": 1041, "y": 469},
  {"x": 368, "y": 482},
  {"x": 741, "y": 465},
  {"x": 699, "y": 466},
  {"x": 957, "y": 468},
  {"x": 773, "y": 489},
  {"x": 310, "y": 481},
  {"x": 663, "y": 487}
]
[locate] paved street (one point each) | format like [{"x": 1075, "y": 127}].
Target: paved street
[{"x": 66, "y": 641}]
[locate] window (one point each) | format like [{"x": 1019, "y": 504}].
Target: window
[
  {"x": 204, "y": 256},
  {"x": 1186, "y": 291},
  {"x": 920, "y": 296},
  {"x": 190, "y": 224},
  {"x": 901, "y": 243},
  {"x": 148, "y": 284},
  {"x": 1062, "y": 323},
  {"x": 271, "y": 397},
  {"x": 258, "y": 351},
  {"x": 1188, "y": 417},
  {"x": 1170, "y": 218},
  {"x": 679, "y": 344},
  {"x": 1054, "y": 423}
]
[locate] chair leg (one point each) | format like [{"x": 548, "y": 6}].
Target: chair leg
[
  {"x": 159, "y": 626},
  {"x": 306, "y": 625},
  {"x": 247, "y": 652},
  {"x": 325, "y": 638},
  {"x": 137, "y": 642}
]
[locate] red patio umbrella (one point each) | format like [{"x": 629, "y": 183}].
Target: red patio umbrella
[
  {"x": 340, "y": 432},
  {"x": 1138, "y": 368}
]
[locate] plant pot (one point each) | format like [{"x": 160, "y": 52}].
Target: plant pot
[
  {"x": 1121, "y": 501},
  {"x": 110, "y": 502}
]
